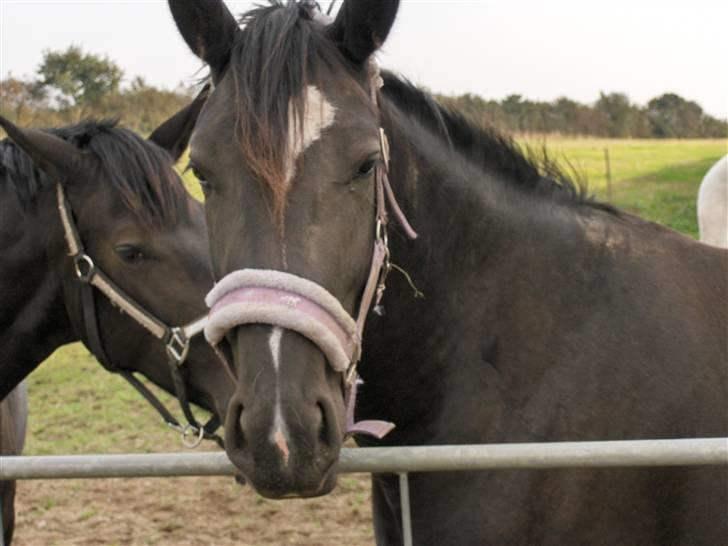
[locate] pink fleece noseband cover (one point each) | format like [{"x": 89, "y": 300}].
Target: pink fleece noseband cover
[{"x": 260, "y": 296}]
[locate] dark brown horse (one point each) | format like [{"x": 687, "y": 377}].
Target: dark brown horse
[
  {"x": 13, "y": 420},
  {"x": 137, "y": 224},
  {"x": 546, "y": 316}
]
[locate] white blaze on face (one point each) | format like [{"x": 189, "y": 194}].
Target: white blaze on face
[
  {"x": 279, "y": 433},
  {"x": 317, "y": 116}
]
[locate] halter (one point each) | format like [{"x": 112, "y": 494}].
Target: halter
[
  {"x": 176, "y": 339},
  {"x": 277, "y": 298}
]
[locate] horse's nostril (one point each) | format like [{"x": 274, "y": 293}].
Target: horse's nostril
[
  {"x": 329, "y": 433},
  {"x": 323, "y": 424},
  {"x": 236, "y": 433}
]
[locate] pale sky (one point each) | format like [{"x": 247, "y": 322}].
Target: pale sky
[{"x": 541, "y": 50}]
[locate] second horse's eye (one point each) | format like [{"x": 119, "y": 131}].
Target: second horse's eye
[
  {"x": 204, "y": 184},
  {"x": 130, "y": 253},
  {"x": 205, "y": 187},
  {"x": 366, "y": 168},
  {"x": 198, "y": 174}
]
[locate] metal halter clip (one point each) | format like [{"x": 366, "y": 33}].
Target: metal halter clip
[
  {"x": 84, "y": 266},
  {"x": 191, "y": 435},
  {"x": 178, "y": 346}
]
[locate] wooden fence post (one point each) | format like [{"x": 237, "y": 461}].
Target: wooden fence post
[{"x": 609, "y": 174}]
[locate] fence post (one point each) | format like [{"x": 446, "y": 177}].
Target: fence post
[
  {"x": 404, "y": 502},
  {"x": 609, "y": 174}
]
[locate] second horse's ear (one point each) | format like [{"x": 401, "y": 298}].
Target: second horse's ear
[
  {"x": 362, "y": 26},
  {"x": 174, "y": 134},
  {"x": 209, "y": 29},
  {"x": 60, "y": 160}
]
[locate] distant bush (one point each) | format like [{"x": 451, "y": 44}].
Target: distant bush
[
  {"x": 141, "y": 107},
  {"x": 73, "y": 85}
]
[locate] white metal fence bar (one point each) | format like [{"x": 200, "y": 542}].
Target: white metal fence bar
[{"x": 684, "y": 452}]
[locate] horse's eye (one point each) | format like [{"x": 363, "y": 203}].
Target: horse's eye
[
  {"x": 130, "y": 253},
  {"x": 366, "y": 168},
  {"x": 197, "y": 174},
  {"x": 204, "y": 184}
]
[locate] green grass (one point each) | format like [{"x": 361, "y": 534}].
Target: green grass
[
  {"x": 78, "y": 407},
  {"x": 655, "y": 179},
  {"x": 668, "y": 160}
]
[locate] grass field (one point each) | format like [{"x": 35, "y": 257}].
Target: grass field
[
  {"x": 76, "y": 407},
  {"x": 656, "y": 179}
]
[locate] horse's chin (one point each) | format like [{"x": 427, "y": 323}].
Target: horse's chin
[
  {"x": 269, "y": 480},
  {"x": 281, "y": 491},
  {"x": 276, "y": 495}
]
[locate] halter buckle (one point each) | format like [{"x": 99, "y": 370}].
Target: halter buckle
[
  {"x": 384, "y": 147},
  {"x": 381, "y": 231},
  {"x": 351, "y": 374},
  {"x": 178, "y": 346},
  {"x": 84, "y": 267}
]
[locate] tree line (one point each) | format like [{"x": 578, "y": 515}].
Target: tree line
[
  {"x": 72, "y": 84},
  {"x": 613, "y": 115}
]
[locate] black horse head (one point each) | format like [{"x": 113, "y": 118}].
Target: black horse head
[
  {"x": 138, "y": 225},
  {"x": 291, "y": 131}
]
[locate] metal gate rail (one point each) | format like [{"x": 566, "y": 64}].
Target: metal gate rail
[
  {"x": 398, "y": 460},
  {"x": 684, "y": 452}
]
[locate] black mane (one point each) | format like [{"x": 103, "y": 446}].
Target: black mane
[
  {"x": 489, "y": 149},
  {"x": 139, "y": 171}
]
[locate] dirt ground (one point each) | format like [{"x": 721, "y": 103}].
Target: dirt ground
[
  {"x": 186, "y": 511},
  {"x": 78, "y": 408}
]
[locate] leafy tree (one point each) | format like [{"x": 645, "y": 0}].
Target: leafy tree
[
  {"x": 623, "y": 117},
  {"x": 714, "y": 128},
  {"x": 78, "y": 78},
  {"x": 672, "y": 116}
]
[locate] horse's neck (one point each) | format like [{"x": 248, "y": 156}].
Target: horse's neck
[
  {"x": 33, "y": 317},
  {"x": 461, "y": 262}
]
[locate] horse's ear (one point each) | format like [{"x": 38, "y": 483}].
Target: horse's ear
[
  {"x": 362, "y": 26},
  {"x": 209, "y": 29},
  {"x": 59, "y": 159},
  {"x": 174, "y": 134}
]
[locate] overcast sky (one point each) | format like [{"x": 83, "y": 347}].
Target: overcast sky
[{"x": 539, "y": 49}]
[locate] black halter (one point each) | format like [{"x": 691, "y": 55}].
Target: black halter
[{"x": 176, "y": 339}]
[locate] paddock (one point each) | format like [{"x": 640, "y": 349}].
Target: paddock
[{"x": 399, "y": 460}]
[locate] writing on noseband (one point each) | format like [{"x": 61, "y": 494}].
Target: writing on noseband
[
  {"x": 176, "y": 339},
  {"x": 277, "y": 298}
]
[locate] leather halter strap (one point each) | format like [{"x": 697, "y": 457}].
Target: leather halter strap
[
  {"x": 376, "y": 281},
  {"x": 176, "y": 339},
  {"x": 282, "y": 299}
]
